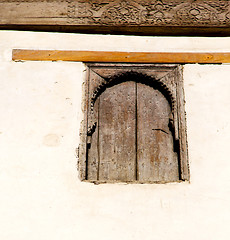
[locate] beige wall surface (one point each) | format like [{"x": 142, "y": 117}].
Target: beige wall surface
[{"x": 41, "y": 196}]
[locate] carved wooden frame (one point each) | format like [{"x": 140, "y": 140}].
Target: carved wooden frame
[{"x": 166, "y": 77}]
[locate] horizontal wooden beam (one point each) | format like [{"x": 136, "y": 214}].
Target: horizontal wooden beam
[
  {"x": 124, "y": 30},
  {"x": 139, "y": 17},
  {"x": 125, "y": 57}
]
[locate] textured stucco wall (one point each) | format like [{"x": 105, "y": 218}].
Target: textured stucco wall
[{"x": 41, "y": 196}]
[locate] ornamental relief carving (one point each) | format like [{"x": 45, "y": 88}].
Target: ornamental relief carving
[
  {"x": 183, "y": 13},
  {"x": 143, "y": 12}
]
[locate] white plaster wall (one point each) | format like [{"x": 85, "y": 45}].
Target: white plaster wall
[{"x": 40, "y": 194}]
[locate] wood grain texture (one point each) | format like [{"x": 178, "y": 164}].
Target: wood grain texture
[
  {"x": 93, "y": 157},
  {"x": 125, "y": 57},
  {"x": 117, "y": 126},
  {"x": 184, "y": 165},
  {"x": 151, "y": 17},
  {"x": 156, "y": 158},
  {"x": 92, "y": 148},
  {"x": 136, "y": 126}
]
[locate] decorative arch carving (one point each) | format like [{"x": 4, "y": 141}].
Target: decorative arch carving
[
  {"x": 136, "y": 77},
  {"x": 146, "y": 79}
]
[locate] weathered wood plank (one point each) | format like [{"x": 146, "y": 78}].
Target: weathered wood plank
[
  {"x": 126, "y": 57},
  {"x": 182, "y": 125},
  {"x": 33, "y": 12},
  {"x": 156, "y": 158},
  {"x": 117, "y": 124},
  {"x": 93, "y": 128},
  {"x": 92, "y": 148}
]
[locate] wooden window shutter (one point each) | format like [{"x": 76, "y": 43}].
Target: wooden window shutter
[{"x": 134, "y": 128}]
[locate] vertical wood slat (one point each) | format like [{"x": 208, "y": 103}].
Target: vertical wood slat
[
  {"x": 184, "y": 168},
  {"x": 93, "y": 127},
  {"x": 82, "y": 148},
  {"x": 156, "y": 158},
  {"x": 117, "y": 133},
  {"x": 92, "y": 148}
]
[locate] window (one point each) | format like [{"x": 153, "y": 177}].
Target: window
[{"x": 134, "y": 128}]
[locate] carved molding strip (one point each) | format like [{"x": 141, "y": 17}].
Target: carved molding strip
[
  {"x": 116, "y": 13},
  {"x": 116, "y": 57}
]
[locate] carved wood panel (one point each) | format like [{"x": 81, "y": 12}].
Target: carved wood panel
[
  {"x": 135, "y": 126},
  {"x": 116, "y": 15}
]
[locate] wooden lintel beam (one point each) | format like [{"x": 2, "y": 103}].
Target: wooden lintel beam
[
  {"x": 125, "y": 57},
  {"x": 139, "y": 17}
]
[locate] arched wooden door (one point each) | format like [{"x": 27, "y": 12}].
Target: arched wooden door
[{"x": 132, "y": 140}]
